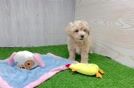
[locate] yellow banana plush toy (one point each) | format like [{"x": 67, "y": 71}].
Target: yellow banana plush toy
[{"x": 87, "y": 69}]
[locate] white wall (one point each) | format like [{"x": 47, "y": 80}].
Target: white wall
[
  {"x": 34, "y": 22},
  {"x": 112, "y": 23}
]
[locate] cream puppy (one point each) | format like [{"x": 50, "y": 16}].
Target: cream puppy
[{"x": 79, "y": 40}]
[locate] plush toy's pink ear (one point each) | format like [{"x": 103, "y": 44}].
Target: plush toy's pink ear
[
  {"x": 10, "y": 60},
  {"x": 38, "y": 59}
]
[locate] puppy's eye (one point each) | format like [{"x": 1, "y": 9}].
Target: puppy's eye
[
  {"x": 76, "y": 30},
  {"x": 85, "y": 30}
]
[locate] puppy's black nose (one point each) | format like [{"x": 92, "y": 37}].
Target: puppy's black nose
[{"x": 82, "y": 36}]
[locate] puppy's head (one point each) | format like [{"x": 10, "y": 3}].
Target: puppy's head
[{"x": 78, "y": 30}]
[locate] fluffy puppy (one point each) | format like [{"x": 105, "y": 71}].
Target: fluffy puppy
[{"x": 79, "y": 40}]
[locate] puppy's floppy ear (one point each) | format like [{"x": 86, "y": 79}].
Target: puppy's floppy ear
[
  {"x": 10, "y": 60},
  {"x": 88, "y": 31},
  {"x": 68, "y": 27}
]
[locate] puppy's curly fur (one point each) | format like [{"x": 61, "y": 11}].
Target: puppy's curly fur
[{"x": 79, "y": 40}]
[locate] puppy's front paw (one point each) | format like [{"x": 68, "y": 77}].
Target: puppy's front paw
[
  {"x": 72, "y": 59},
  {"x": 84, "y": 61}
]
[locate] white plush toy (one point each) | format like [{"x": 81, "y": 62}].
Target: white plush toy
[{"x": 26, "y": 60}]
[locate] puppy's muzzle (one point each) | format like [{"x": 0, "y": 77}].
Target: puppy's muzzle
[{"x": 81, "y": 37}]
